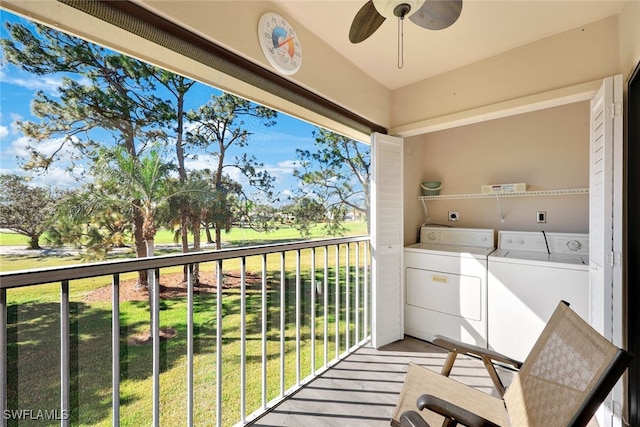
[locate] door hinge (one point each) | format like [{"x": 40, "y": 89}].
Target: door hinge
[
  {"x": 614, "y": 110},
  {"x": 614, "y": 259}
]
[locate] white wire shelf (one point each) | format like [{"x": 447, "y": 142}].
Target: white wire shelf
[
  {"x": 498, "y": 196},
  {"x": 562, "y": 192}
]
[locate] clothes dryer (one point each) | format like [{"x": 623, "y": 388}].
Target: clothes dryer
[{"x": 446, "y": 284}]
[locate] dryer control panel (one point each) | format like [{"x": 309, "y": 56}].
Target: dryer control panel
[
  {"x": 474, "y": 237},
  {"x": 551, "y": 243}
]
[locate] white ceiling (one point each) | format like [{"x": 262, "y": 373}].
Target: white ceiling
[{"x": 485, "y": 28}]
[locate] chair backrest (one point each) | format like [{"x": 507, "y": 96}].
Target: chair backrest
[{"x": 567, "y": 375}]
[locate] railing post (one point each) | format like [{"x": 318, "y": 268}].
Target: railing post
[
  {"x": 65, "y": 386},
  {"x": 337, "y": 307},
  {"x": 153, "y": 286},
  {"x": 190, "y": 344},
  {"x": 356, "y": 269},
  {"x": 243, "y": 339},
  {"x": 219, "y": 277},
  {"x": 3, "y": 355},
  {"x": 325, "y": 315},
  {"x": 283, "y": 325},
  {"x": 347, "y": 297},
  {"x": 265, "y": 307},
  {"x": 115, "y": 350},
  {"x": 298, "y": 313},
  {"x": 313, "y": 311},
  {"x": 367, "y": 303}
]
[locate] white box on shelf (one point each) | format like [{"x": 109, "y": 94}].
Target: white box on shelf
[{"x": 519, "y": 187}]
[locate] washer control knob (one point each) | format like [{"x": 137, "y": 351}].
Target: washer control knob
[
  {"x": 431, "y": 236},
  {"x": 521, "y": 241},
  {"x": 574, "y": 245}
]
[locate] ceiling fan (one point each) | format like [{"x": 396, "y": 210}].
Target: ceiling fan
[{"x": 430, "y": 14}]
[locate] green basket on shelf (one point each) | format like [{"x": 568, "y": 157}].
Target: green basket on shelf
[{"x": 430, "y": 188}]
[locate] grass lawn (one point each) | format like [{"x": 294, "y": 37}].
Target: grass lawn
[
  {"x": 235, "y": 237},
  {"x": 34, "y": 341}
]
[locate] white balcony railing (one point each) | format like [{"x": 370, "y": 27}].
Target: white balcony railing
[{"x": 298, "y": 309}]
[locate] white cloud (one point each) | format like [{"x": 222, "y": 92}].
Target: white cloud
[
  {"x": 281, "y": 170},
  {"x": 206, "y": 162},
  {"x": 288, "y": 164},
  {"x": 198, "y": 164},
  {"x": 17, "y": 153},
  {"x": 4, "y": 132},
  {"x": 58, "y": 178},
  {"x": 55, "y": 177},
  {"x": 48, "y": 147},
  {"x": 30, "y": 81}
]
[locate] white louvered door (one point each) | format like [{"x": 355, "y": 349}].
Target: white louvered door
[
  {"x": 387, "y": 234},
  {"x": 605, "y": 225}
]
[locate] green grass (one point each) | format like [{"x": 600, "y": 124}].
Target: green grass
[
  {"x": 34, "y": 340},
  {"x": 236, "y": 236},
  {"x": 13, "y": 239}
]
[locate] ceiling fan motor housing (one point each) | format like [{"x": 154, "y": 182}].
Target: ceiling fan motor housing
[{"x": 386, "y": 8}]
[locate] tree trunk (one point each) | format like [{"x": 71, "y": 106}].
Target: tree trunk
[
  {"x": 34, "y": 242},
  {"x": 182, "y": 171},
  {"x": 208, "y": 231},
  {"x": 195, "y": 226},
  {"x": 141, "y": 249},
  {"x": 151, "y": 289},
  {"x": 218, "y": 238},
  {"x": 184, "y": 236}
]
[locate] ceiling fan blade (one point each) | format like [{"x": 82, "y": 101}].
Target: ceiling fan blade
[
  {"x": 365, "y": 23},
  {"x": 437, "y": 14}
]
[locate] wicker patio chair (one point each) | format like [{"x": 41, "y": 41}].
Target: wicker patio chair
[{"x": 566, "y": 376}]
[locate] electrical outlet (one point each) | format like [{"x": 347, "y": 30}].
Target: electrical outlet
[
  {"x": 541, "y": 216},
  {"x": 454, "y": 216}
]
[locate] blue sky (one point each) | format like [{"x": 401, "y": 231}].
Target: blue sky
[{"x": 274, "y": 146}]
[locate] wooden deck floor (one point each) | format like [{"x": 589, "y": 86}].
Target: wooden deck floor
[{"x": 362, "y": 390}]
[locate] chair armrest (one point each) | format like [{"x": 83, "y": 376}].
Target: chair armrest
[
  {"x": 452, "y": 411},
  {"x": 460, "y": 347},
  {"x": 488, "y": 358},
  {"x": 412, "y": 419}
]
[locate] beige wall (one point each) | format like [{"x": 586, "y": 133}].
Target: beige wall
[
  {"x": 581, "y": 55},
  {"x": 547, "y": 149}
]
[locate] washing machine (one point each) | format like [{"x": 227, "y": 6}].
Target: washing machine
[
  {"x": 529, "y": 274},
  {"x": 446, "y": 284}
]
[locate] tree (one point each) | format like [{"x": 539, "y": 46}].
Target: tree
[
  {"x": 187, "y": 208},
  {"x": 26, "y": 210},
  {"x": 178, "y": 86},
  {"x": 305, "y": 213},
  {"x": 336, "y": 175},
  {"x": 137, "y": 182},
  {"x": 91, "y": 221},
  {"x": 218, "y": 126},
  {"x": 114, "y": 93},
  {"x": 134, "y": 104}
]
